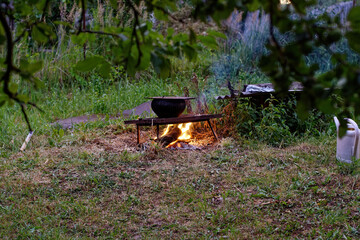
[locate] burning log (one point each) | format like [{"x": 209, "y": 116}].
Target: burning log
[{"x": 172, "y": 135}]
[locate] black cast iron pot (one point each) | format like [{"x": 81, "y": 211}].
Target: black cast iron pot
[{"x": 167, "y": 107}]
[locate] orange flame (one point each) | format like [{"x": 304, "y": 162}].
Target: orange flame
[
  {"x": 167, "y": 129},
  {"x": 185, "y": 132}
]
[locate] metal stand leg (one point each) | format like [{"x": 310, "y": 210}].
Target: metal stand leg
[
  {"x": 212, "y": 130},
  {"x": 138, "y": 134},
  {"x": 157, "y": 131}
]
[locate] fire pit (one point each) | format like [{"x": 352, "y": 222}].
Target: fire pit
[
  {"x": 169, "y": 110},
  {"x": 174, "y": 120},
  {"x": 167, "y": 107}
]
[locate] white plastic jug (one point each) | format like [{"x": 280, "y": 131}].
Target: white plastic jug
[{"x": 347, "y": 147}]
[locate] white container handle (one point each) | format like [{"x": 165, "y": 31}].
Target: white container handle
[
  {"x": 337, "y": 123},
  {"x": 356, "y": 129}
]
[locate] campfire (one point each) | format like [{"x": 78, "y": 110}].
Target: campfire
[
  {"x": 169, "y": 111},
  {"x": 176, "y": 136}
]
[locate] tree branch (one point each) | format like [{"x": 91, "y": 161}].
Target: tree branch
[
  {"x": 25, "y": 116},
  {"x": 9, "y": 67},
  {"x": 84, "y": 24},
  {"x": 21, "y": 35},
  {"x": 44, "y": 10},
  {"x": 271, "y": 28},
  {"x": 83, "y": 13},
  {"x": 170, "y": 15},
  {"x": 134, "y": 34},
  {"x": 9, "y": 55},
  {"x": 102, "y": 33}
]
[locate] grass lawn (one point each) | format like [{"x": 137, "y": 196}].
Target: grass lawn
[{"x": 93, "y": 182}]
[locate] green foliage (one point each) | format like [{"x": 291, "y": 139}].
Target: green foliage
[
  {"x": 278, "y": 123},
  {"x": 352, "y": 168},
  {"x": 309, "y": 33},
  {"x": 134, "y": 44},
  {"x": 128, "y": 39}
]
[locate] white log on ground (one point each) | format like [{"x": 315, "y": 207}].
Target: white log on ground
[{"x": 27, "y": 140}]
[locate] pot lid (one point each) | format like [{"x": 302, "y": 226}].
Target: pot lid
[{"x": 172, "y": 98}]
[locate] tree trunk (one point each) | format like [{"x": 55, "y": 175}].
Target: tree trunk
[{"x": 84, "y": 28}]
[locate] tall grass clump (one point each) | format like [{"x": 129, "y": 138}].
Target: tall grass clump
[{"x": 240, "y": 53}]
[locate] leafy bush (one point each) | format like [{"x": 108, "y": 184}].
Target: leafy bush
[{"x": 277, "y": 123}]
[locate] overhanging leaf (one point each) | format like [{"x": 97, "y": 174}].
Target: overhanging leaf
[
  {"x": 160, "y": 15},
  {"x": 192, "y": 37},
  {"x": 114, "y": 3},
  {"x": 38, "y": 36},
  {"x": 27, "y": 68},
  {"x": 38, "y": 83},
  {"x": 82, "y": 38},
  {"x": 35, "y": 67},
  {"x": 190, "y": 52},
  {"x": 161, "y": 65},
  {"x": 214, "y": 33},
  {"x": 62, "y": 23},
  {"x": 208, "y": 41},
  {"x": 354, "y": 18},
  {"x": 145, "y": 58},
  {"x": 353, "y": 39},
  {"x": 13, "y": 87},
  {"x": 23, "y": 98},
  {"x": 89, "y": 64},
  {"x": 104, "y": 70}
]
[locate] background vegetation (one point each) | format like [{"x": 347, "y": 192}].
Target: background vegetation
[
  {"x": 68, "y": 92},
  {"x": 272, "y": 175}
]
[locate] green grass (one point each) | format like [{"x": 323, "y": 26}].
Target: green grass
[
  {"x": 57, "y": 104},
  {"x": 233, "y": 189}
]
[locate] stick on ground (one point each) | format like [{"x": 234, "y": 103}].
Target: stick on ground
[{"x": 27, "y": 140}]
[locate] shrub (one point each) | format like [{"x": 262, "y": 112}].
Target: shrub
[{"x": 277, "y": 123}]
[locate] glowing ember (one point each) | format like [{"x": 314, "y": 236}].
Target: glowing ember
[{"x": 181, "y": 145}]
